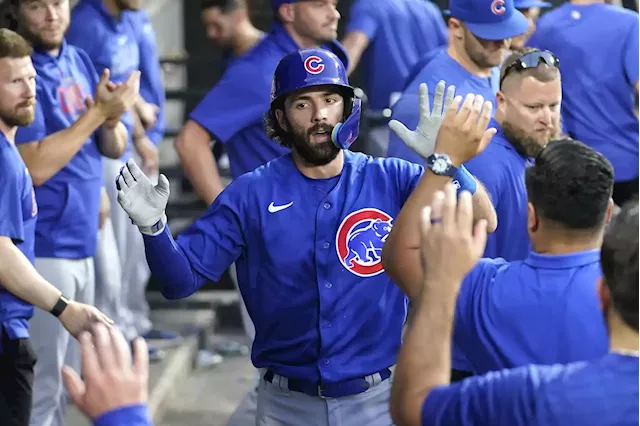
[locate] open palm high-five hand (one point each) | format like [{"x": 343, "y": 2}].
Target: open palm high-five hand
[{"x": 423, "y": 139}]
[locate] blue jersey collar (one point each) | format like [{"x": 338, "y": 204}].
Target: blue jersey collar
[
  {"x": 41, "y": 56},
  {"x": 563, "y": 261}
]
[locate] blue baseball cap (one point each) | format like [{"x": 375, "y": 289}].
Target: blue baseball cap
[
  {"x": 490, "y": 19},
  {"x": 527, "y": 4}
]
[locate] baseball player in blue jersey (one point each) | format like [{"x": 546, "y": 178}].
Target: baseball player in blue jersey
[
  {"x": 107, "y": 32},
  {"x": 531, "y": 10},
  {"x": 580, "y": 33},
  {"x": 527, "y": 117},
  {"x": 306, "y": 231},
  {"x": 21, "y": 286},
  {"x": 599, "y": 392}
]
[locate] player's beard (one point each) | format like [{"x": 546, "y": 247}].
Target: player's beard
[
  {"x": 19, "y": 117},
  {"x": 38, "y": 42},
  {"x": 523, "y": 143},
  {"x": 317, "y": 154}
]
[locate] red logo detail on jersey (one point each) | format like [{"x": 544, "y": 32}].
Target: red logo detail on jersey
[
  {"x": 314, "y": 65},
  {"x": 498, "y": 7},
  {"x": 359, "y": 241},
  {"x": 34, "y": 204}
]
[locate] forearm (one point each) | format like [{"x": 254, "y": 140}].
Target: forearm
[
  {"x": 170, "y": 266},
  {"x": 199, "y": 165},
  {"x": 400, "y": 253},
  {"x": 424, "y": 361},
  {"x": 47, "y": 157},
  {"x": 113, "y": 140},
  {"x": 483, "y": 208},
  {"x": 139, "y": 131},
  {"x": 21, "y": 279}
]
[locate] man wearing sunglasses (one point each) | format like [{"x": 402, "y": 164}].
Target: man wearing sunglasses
[
  {"x": 479, "y": 34},
  {"x": 598, "y": 46},
  {"x": 527, "y": 117}
]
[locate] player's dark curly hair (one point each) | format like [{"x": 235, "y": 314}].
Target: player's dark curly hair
[
  {"x": 619, "y": 262},
  {"x": 570, "y": 184}
]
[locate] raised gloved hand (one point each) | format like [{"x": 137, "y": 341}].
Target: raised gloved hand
[
  {"x": 423, "y": 139},
  {"x": 144, "y": 203}
]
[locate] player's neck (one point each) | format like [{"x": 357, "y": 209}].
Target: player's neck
[
  {"x": 556, "y": 243},
  {"x": 247, "y": 37},
  {"x": 332, "y": 169},
  {"x": 302, "y": 42},
  {"x": 7, "y": 131},
  {"x": 622, "y": 338},
  {"x": 458, "y": 54}
]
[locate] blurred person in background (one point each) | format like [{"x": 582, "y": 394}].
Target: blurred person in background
[
  {"x": 531, "y": 10},
  {"x": 107, "y": 32},
  {"x": 386, "y": 38}
]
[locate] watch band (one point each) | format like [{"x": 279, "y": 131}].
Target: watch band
[
  {"x": 441, "y": 165},
  {"x": 60, "y": 306}
]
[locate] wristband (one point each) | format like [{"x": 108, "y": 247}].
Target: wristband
[
  {"x": 464, "y": 181},
  {"x": 156, "y": 228},
  {"x": 59, "y": 307}
]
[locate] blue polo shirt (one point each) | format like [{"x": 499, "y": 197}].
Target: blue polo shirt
[
  {"x": 542, "y": 310},
  {"x": 501, "y": 170},
  {"x": 151, "y": 86},
  {"x": 595, "y": 393},
  {"x": 400, "y": 32},
  {"x": 110, "y": 42},
  {"x": 18, "y": 214},
  {"x": 70, "y": 200},
  {"x": 308, "y": 256},
  {"x": 435, "y": 66},
  {"x": 597, "y": 45},
  {"x": 233, "y": 111}
]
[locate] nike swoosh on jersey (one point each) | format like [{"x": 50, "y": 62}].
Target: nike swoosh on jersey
[{"x": 274, "y": 209}]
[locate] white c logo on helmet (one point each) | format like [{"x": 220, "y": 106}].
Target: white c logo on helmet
[{"x": 313, "y": 65}]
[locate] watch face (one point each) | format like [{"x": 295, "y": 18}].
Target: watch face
[{"x": 440, "y": 165}]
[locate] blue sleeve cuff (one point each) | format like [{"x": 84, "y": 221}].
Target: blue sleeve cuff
[
  {"x": 134, "y": 415},
  {"x": 464, "y": 181}
]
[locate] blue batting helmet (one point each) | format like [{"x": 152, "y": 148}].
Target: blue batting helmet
[{"x": 318, "y": 67}]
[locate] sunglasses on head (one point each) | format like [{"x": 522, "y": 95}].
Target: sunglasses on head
[{"x": 532, "y": 60}]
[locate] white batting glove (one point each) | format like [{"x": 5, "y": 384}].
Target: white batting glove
[
  {"x": 423, "y": 139},
  {"x": 144, "y": 203}
]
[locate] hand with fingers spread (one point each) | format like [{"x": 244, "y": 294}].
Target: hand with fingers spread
[
  {"x": 451, "y": 245},
  {"x": 463, "y": 133},
  {"x": 113, "y": 99},
  {"x": 423, "y": 139},
  {"x": 144, "y": 203},
  {"x": 78, "y": 317},
  {"x": 110, "y": 379}
]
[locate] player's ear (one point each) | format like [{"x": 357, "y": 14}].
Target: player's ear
[
  {"x": 611, "y": 208},
  {"x": 533, "y": 221},
  {"x": 282, "y": 121},
  {"x": 603, "y": 295},
  {"x": 456, "y": 28},
  {"x": 501, "y": 103},
  {"x": 287, "y": 13}
]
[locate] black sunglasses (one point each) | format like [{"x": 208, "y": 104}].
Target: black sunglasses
[{"x": 531, "y": 60}]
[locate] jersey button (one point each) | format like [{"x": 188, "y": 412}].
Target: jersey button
[
  {"x": 327, "y": 206},
  {"x": 328, "y": 285},
  {"x": 326, "y": 245}
]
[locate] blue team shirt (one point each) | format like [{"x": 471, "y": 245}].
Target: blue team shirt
[
  {"x": 151, "y": 86},
  {"x": 436, "y": 66},
  {"x": 310, "y": 273},
  {"x": 400, "y": 32},
  {"x": 233, "y": 111},
  {"x": 70, "y": 200},
  {"x": 597, "y": 94},
  {"x": 602, "y": 392},
  {"x": 501, "y": 169},
  {"x": 543, "y": 310},
  {"x": 110, "y": 42},
  {"x": 18, "y": 214}
]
